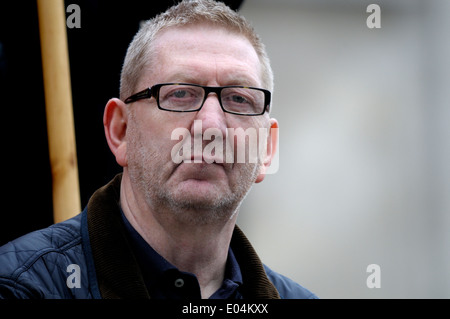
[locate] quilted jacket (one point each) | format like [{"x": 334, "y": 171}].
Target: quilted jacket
[{"x": 88, "y": 257}]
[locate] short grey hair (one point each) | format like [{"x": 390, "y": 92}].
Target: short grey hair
[{"x": 187, "y": 12}]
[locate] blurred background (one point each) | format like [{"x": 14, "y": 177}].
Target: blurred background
[
  {"x": 364, "y": 167},
  {"x": 364, "y": 119}
]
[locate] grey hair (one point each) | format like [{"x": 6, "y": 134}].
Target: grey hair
[{"x": 139, "y": 52}]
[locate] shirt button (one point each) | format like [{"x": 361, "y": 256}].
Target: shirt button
[{"x": 179, "y": 283}]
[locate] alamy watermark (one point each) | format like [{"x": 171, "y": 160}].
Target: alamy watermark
[
  {"x": 237, "y": 146},
  {"x": 374, "y": 19},
  {"x": 74, "y": 19},
  {"x": 374, "y": 279},
  {"x": 74, "y": 279}
]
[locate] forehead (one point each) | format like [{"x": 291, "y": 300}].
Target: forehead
[{"x": 204, "y": 54}]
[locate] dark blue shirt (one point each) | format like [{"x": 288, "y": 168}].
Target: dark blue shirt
[{"x": 164, "y": 281}]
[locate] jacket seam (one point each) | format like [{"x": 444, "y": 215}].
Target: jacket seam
[
  {"x": 41, "y": 253},
  {"x": 15, "y": 285}
]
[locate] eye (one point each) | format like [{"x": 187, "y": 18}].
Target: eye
[
  {"x": 243, "y": 100},
  {"x": 239, "y": 99},
  {"x": 179, "y": 94},
  {"x": 180, "y": 97}
]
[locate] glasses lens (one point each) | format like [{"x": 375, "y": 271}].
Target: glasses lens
[
  {"x": 243, "y": 100},
  {"x": 177, "y": 97}
]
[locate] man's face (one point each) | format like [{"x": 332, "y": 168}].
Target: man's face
[{"x": 198, "y": 192}]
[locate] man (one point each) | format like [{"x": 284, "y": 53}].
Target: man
[{"x": 165, "y": 228}]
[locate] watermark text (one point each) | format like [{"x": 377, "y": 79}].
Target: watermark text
[{"x": 251, "y": 145}]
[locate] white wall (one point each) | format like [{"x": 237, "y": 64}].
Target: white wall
[{"x": 364, "y": 147}]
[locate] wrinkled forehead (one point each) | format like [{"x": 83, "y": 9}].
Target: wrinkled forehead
[{"x": 201, "y": 54}]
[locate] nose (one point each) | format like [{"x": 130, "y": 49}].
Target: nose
[{"x": 211, "y": 114}]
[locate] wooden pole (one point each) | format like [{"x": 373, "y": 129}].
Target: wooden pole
[{"x": 58, "y": 101}]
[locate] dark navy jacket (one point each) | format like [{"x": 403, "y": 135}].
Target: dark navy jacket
[{"x": 89, "y": 257}]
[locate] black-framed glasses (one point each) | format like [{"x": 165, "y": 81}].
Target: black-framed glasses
[{"x": 185, "y": 97}]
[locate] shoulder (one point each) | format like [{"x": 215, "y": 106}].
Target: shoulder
[
  {"x": 35, "y": 265},
  {"x": 26, "y": 249},
  {"x": 287, "y": 288}
]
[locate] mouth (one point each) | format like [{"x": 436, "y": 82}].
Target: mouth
[
  {"x": 202, "y": 169},
  {"x": 205, "y": 160}
]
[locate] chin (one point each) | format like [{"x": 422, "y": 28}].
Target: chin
[{"x": 205, "y": 208}]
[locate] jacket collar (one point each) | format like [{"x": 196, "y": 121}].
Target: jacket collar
[{"x": 118, "y": 273}]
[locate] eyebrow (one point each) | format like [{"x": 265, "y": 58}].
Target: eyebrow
[
  {"x": 186, "y": 77},
  {"x": 182, "y": 77},
  {"x": 239, "y": 80}
]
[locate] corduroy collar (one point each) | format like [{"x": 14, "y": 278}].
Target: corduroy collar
[{"x": 117, "y": 270}]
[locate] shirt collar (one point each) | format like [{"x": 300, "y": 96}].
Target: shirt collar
[{"x": 162, "y": 279}]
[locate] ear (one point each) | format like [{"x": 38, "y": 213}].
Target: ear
[
  {"x": 272, "y": 145},
  {"x": 115, "y": 124}
]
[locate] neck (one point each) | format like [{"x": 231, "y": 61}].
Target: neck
[{"x": 198, "y": 249}]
